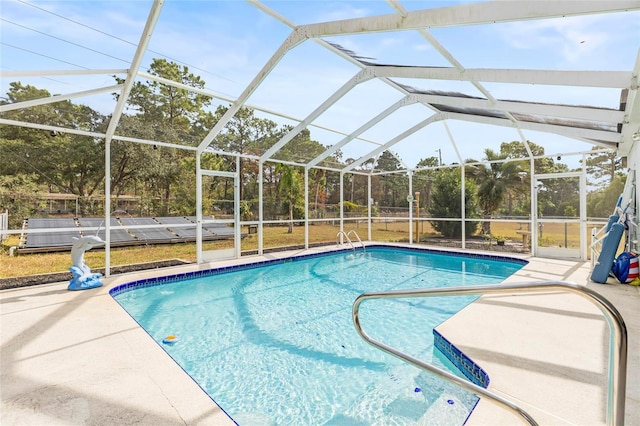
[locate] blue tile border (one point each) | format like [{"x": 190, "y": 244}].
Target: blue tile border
[
  {"x": 151, "y": 282},
  {"x": 469, "y": 368},
  {"x": 454, "y": 253}
]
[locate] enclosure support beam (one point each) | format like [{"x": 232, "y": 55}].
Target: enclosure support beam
[
  {"x": 260, "y": 207},
  {"x": 306, "y": 207},
  {"x": 467, "y": 14},
  {"x": 453, "y": 143},
  {"x": 199, "y": 257},
  {"x": 145, "y": 38},
  {"x": 370, "y": 209},
  {"x": 295, "y": 38},
  {"x": 341, "y": 205},
  {"x": 604, "y": 79},
  {"x": 327, "y": 45},
  {"x": 44, "y": 73},
  {"x": 551, "y": 110},
  {"x": 92, "y": 134},
  {"x": 392, "y": 142},
  {"x": 631, "y": 122},
  {"x": 463, "y": 208},
  {"x": 607, "y": 139},
  {"x": 407, "y": 100},
  {"x": 236, "y": 210},
  {"x": 534, "y": 207},
  {"x": 58, "y": 98},
  {"x": 107, "y": 207},
  {"x": 230, "y": 99},
  {"x": 410, "y": 202},
  {"x": 583, "y": 209},
  {"x": 525, "y": 142},
  {"x": 360, "y": 77},
  {"x": 462, "y": 183}
]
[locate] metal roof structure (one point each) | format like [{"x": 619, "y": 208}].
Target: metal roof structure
[
  {"x": 409, "y": 78},
  {"x": 411, "y": 100}
]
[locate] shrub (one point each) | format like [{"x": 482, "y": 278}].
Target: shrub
[{"x": 446, "y": 203}]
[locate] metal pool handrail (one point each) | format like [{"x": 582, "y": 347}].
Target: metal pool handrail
[
  {"x": 347, "y": 237},
  {"x": 358, "y": 237},
  {"x": 617, "y": 374}
]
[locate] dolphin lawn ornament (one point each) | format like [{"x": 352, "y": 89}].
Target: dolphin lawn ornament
[{"x": 82, "y": 277}]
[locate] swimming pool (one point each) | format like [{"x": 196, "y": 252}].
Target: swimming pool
[{"x": 275, "y": 344}]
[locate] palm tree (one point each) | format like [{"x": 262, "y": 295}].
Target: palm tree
[{"x": 494, "y": 180}]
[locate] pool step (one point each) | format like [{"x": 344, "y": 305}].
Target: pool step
[
  {"x": 447, "y": 406},
  {"x": 408, "y": 396}
]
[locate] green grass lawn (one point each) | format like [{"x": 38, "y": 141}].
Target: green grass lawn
[{"x": 274, "y": 237}]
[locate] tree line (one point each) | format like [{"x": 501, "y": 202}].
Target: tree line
[{"x": 163, "y": 178}]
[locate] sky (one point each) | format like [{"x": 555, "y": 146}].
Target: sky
[{"x": 228, "y": 42}]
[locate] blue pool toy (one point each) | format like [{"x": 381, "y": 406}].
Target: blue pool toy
[
  {"x": 625, "y": 267},
  {"x": 170, "y": 339},
  {"x": 605, "y": 260},
  {"x": 611, "y": 241}
]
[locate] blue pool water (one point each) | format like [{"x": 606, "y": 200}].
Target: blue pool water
[{"x": 277, "y": 345}]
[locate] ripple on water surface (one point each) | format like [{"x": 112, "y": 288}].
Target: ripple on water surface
[{"x": 277, "y": 345}]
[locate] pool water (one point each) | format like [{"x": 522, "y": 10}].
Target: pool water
[{"x": 277, "y": 345}]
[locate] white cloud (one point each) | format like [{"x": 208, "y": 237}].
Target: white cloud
[
  {"x": 336, "y": 11},
  {"x": 423, "y": 47},
  {"x": 572, "y": 41},
  {"x": 390, "y": 42}
]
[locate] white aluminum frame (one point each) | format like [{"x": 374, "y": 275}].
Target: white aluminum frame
[
  {"x": 403, "y": 20},
  {"x": 582, "y": 220}
]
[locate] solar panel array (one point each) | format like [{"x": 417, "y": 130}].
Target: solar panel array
[
  {"x": 188, "y": 231},
  {"x": 124, "y": 231},
  {"x": 117, "y": 235},
  {"x": 147, "y": 234},
  {"x": 51, "y": 239},
  {"x": 217, "y": 229}
]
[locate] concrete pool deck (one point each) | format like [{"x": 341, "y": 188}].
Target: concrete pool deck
[
  {"x": 549, "y": 353},
  {"x": 79, "y": 358}
]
